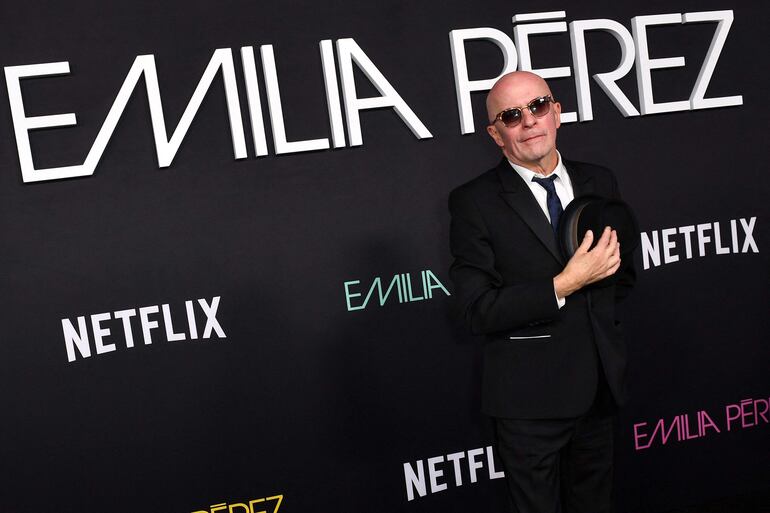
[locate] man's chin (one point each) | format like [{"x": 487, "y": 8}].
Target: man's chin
[
  {"x": 535, "y": 156},
  {"x": 532, "y": 158}
]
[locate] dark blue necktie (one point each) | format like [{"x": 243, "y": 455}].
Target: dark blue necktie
[{"x": 554, "y": 205}]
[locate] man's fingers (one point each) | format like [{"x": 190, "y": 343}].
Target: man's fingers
[
  {"x": 616, "y": 249},
  {"x": 606, "y": 234},
  {"x": 601, "y": 244},
  {"x": 588, "y": 238},
  {"x": 612, "y": 239},
  {"x": 612, "y": 270},
  {"x": 612, "y": 243}
]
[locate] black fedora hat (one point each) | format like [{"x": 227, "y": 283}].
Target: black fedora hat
[{"x": 593, "y": 213}]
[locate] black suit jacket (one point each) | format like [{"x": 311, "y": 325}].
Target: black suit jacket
[{"x": 539, "y": 361}]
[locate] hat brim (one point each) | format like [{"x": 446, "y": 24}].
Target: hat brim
[{"x": 592, "y": 212}]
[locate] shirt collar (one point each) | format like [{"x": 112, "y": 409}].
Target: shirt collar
[{"x": 527, "y": 175}]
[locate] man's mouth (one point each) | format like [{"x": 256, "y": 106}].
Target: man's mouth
[{"x": 532, "y": 137}]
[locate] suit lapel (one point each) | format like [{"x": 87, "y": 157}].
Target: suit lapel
[
  {"x": 582, "y": 182},
  {"x": 518, "y": 196}
]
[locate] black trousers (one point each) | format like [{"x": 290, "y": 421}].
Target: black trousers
[{"x": 560, "y": 465}]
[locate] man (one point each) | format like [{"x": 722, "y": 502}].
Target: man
[{"x": 554, "y": 358}]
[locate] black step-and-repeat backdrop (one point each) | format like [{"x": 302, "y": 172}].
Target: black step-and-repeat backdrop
[{"x": 224, "y": 251}]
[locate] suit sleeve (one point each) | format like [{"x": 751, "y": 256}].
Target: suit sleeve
[
  {"x": 485, "y": 303},
  {"x": 626, "y": 273}
]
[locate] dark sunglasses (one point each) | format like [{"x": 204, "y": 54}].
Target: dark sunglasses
[{"x": 511, "y": 117}]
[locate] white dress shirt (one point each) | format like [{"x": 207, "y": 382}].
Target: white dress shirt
[{"x": 563, "y": 186}]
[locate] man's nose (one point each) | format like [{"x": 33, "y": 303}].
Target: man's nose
[{"x": 527, "y": 118}]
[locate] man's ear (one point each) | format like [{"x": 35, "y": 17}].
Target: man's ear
[
  {"x": 495, "y": 135},
  {"x": 557, "y": 113}
]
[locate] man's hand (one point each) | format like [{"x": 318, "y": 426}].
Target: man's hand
[{"x": 586, "y": 267}]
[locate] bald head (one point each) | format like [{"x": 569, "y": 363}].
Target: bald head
[{"x": 511, "y": 86}]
